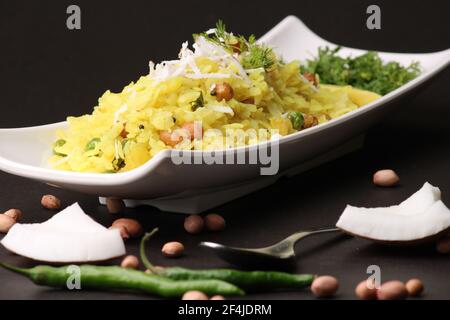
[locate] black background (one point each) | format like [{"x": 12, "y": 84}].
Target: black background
[{"x": 48, "y": 72}]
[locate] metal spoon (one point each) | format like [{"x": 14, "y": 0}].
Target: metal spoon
[{"x": 280, "y": 254}]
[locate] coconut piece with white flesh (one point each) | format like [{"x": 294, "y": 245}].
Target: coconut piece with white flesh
[
  {"x": 70, "y": 236},
  {"x": 420, "y": 217}
]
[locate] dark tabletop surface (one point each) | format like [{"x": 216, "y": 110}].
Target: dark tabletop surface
[{"x": 48, "y": 72}]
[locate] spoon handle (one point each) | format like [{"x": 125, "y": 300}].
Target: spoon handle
[{"x": 303, "y": 234}]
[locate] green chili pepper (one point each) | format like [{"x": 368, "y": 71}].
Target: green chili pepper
[
  {"x": 59, "y": 143},
  {"x": 296, "y": 119},
  {"x": 117, "y": 278},
  {"x": 248, "y": 280},
  {"x": 92, "y": 144}
]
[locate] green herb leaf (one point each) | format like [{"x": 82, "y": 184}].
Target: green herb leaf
[
  {"x": 91, "y": 145},
  {"x": 220, "y": 37},
  {"x": 198, "y": 103},
  {"x": 258, "y": 56},
  {"x": 366, "y": 71},
  {"x": 252, "y": 55}
]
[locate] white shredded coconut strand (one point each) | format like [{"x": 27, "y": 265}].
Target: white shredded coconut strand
[
  {"x": 254, "y": 70},
  {"x": 121, "y": 110},
  {"x": 219, "y": 108},
  {"x": 63, "y": 160},
  {"x": 116, "y": 149},
  {"x": 187, "y": 67},
  {"x": 208, "y": 75},
  {"x": 313, "y": 88}
]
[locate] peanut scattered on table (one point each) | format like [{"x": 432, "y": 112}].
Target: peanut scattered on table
[
  {"x": 414, "y": 287},
  {"x": 365, "y": 292},
  {"x": 385, "y": 178},
  {"x": 6, "y": 222},
  {"x": 123, "y": 231},
  {"x": 173, "y": 249},
  {"x": 214, "y": 222},
  {"x": 132, "y": 226},
  {"x": 16, "y": 214},
  {"x": 194, "y": 295},
  {"x": 443, "y": 245},
  {"x": 392, "y": 290},
  {"x": 51, "y": 202},
  {"x": 130, "y": 262},
  {"x": 115, "y": 205},
  {"x": 194, "y": 224},
  {"x": 324, "y": 286}
]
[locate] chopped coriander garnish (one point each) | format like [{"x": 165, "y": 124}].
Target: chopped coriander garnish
[
  {"x": 198, "y": 103},
  {"x": 366, "y": 71},
  {"x": 252, "y": 55},
  {"x": 223, "y": 38}
]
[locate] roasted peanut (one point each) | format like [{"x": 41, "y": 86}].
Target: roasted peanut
[
  {"x": 123, "y": 231},
  {"x": 172, "y": 249},
  {"x": 6, "y": 222},
  {"x": 115, "y": 205},
  {"x": 51, "y": 202},
  {"x": 364, "y": 292},
  {"x": 222, "y": 91},
  {"x": 309, "y": 121},
  {"x": 214, "y": 222},
  {"x": 194, "y": 295},
  {"x": 443, "y": 245},
  {"x": 133, "y": 227},
  {"x": 194, "y": 224},
  {"x": 310, "y": 77},
  {"x": 194, "y": 129},
  {"x": 414, "y": 287},
  {"x": 130, "y": 262},
  {"x": 392, "y": 290},
  {"x": 324, "y": 286},
  {"x": 250, "y": 100},
  {"x": 16, "y": 214},
  {"x": 385, "y": 178},
  {"x": 170, "y": 138}
]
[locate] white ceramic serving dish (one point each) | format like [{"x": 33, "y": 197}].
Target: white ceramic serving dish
[{"x": 195, "y": 188}]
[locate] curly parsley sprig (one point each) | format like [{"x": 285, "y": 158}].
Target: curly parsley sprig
[{"x": 366, "y": 71}]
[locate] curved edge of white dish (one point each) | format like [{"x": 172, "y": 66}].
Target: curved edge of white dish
[
  {"x": 290, "y": 22},
  {"x": 299, "y": 27}
]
